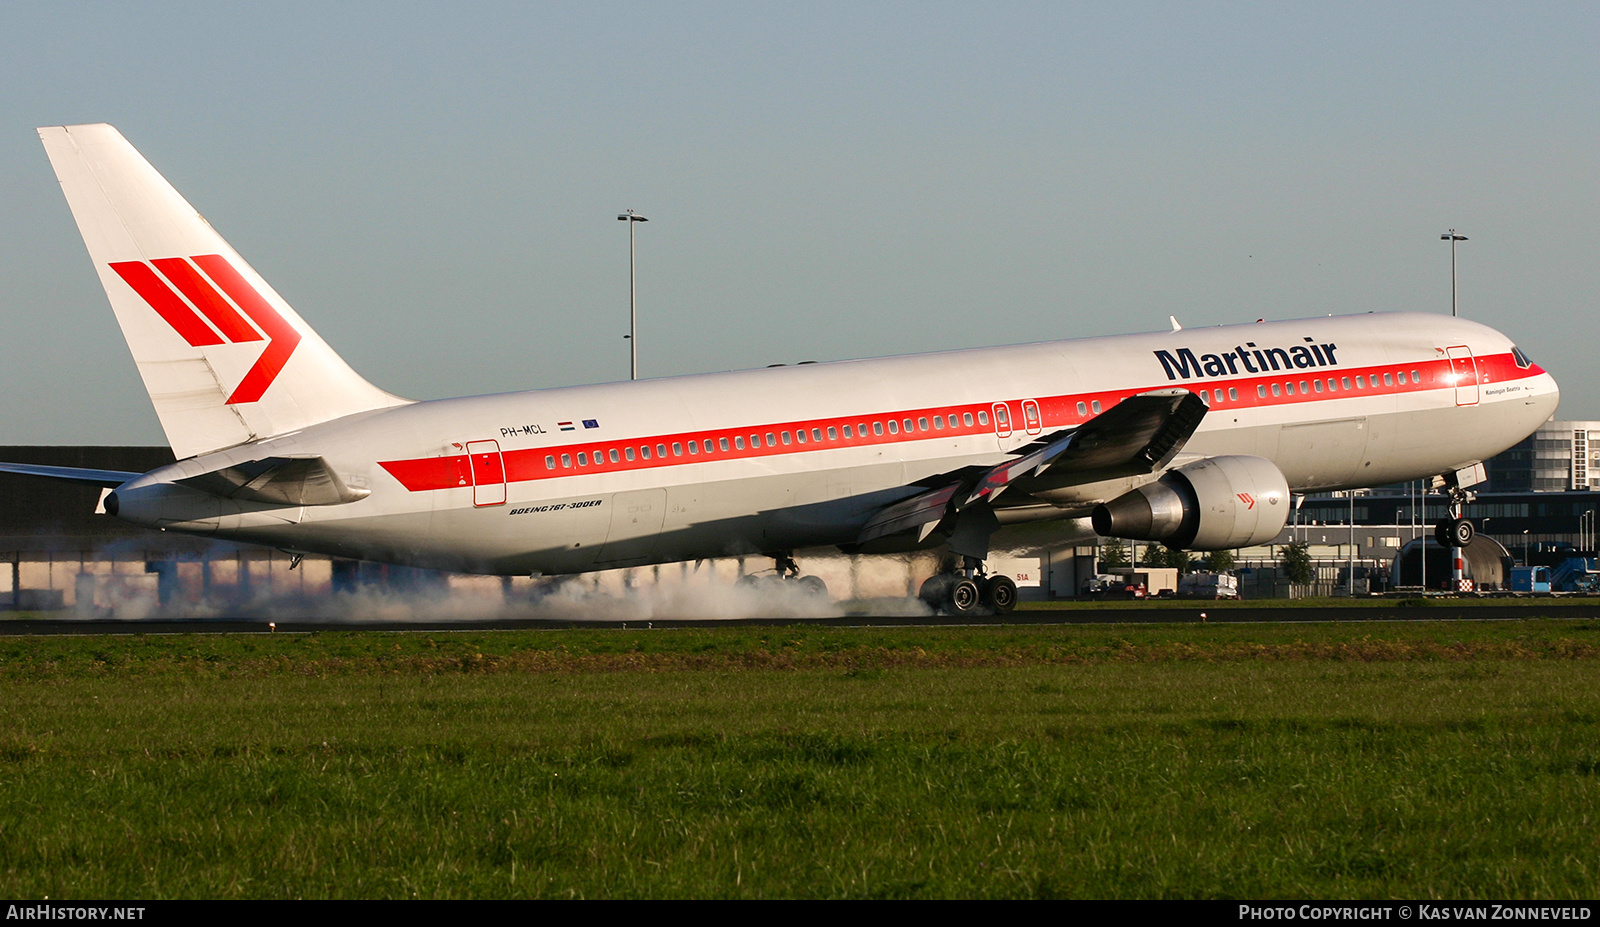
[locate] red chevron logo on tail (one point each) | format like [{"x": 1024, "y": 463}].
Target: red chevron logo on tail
[{"x": 176, "y": 287}]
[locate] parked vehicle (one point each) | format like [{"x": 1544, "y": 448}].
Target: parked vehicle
[
  {"x": 1209, "y": 586},
  {"x": 1107, "y": 586}
]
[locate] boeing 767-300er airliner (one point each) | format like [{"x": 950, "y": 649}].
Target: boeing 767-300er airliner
[{"x": 1193, "y": 437}]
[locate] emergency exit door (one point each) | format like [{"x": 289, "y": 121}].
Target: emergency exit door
[
  {"x": 1464, "y": 370},
  {"x": 488, "y": 473}
]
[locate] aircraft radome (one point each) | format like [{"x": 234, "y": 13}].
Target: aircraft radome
[{"x": 1192, "y": 437}]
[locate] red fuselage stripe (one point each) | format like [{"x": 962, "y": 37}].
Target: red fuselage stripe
[{"x": 1056, "y": 412}]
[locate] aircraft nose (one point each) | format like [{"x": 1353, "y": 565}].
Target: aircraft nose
[{"x": 1542, "y": 406}]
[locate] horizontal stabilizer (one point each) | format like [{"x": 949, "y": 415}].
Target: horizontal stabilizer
[
  {"x": 278, "y": 481},
  {"x": 108, "y": 479}
]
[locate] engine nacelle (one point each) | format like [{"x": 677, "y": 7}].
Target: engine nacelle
[{"x": 1219, "y": 503}]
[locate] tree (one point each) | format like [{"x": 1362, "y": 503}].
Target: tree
[
  {"x": 1295, "y": 558},
  {"x": 1159, "y": 555},
  {"x": 1112, "y": 555},
  {"x": 1220, "y": 561}
]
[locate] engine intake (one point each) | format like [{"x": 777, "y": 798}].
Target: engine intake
[{"x": 1219, "y": 503}]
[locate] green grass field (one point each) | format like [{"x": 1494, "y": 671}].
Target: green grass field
[{"x": 1426, "y": 759}]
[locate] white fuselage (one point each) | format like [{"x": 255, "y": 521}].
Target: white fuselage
[{"x": 568, "y": 480}]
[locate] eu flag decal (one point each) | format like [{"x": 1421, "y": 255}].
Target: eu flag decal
[{"x": 591, "y": 423}]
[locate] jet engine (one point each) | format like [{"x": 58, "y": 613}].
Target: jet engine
[{"x": 1219, "y": 503}]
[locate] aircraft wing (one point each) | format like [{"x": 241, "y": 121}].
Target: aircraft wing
[
  {"x": 106, "y": 479},
  {"x": 1139, "y": 435}
]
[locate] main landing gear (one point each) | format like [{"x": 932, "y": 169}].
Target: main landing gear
[
  {"x": 785, "y": 575},
  {"x": 967, "y": 591}
]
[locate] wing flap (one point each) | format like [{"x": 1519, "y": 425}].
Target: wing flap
[{"x": 1139, "y": 435}]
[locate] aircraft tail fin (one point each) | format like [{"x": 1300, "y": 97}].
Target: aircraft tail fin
[{"x": 224, "y": 358}]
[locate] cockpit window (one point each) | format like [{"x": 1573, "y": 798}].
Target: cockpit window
[{"x": 1520, "y": 358}]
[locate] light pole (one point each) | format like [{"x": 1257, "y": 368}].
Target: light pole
[
  {"x": 1452, "y": 238},
  {"x": 631, "y": 217}
]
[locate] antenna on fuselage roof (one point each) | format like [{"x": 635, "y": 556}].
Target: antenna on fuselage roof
[{"x": 1175, "y": 326}]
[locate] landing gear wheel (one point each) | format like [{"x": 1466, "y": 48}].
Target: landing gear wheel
[
  {"x": 1454, "y": 532},
  {"x": 812, "y": 585},
  {"x": 999, "y": 594},
  {"x": 965, "y": 598},
  {"x": 935, "y": 591}
]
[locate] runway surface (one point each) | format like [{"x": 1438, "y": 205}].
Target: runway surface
[{"x": 1436, "y": 610}]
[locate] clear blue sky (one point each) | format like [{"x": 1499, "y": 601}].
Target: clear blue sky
[{"x": 434, "y": 187}]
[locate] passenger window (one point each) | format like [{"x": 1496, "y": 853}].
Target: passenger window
[
  {"x": 966, "y": 419},
  {"x": 833, "y": 433},
  {"x": 983, "y": 418},
  {"x": 549, "y": 462},
  {"x": 1277, "y": 390},
  {"x": 694, "y": 448},
  {"x": 1219, "y": 395},
  {"x": 1345, "y": 382},
  {"x": 661, "y": 451},
  {"x": 877, "y": 428},
  {"x": 566, "y": 461},
  {"x": 738, "y": 442},
  {"x": 847, "y": 432},
  {"x": 613, "y": 455},
  {"x": 1388, "y": 380},
  {"x": 906, "y": 424},
  {"x": 583, "y": 459},
  {"x": 628, "y": 452},
  {"x": 1205, "y": 397},
  {"x": 677, "y": 449},
  {"x": 800, "y": 435},
  {"x": 1261, "y": 391},
  {"x": 1233, "y": 394},
  {"x": 785, "y": 439},
  {"x": 722, "y": 443},
  {"x": 922, "y": 424},
  {"x": 770, "y": 441},
  {"x": 894, "y": 427},
  {"x": 1289, "y": 388},
  {"x": 816, "y": 434},
  {"x": 1094, "y": 407},
  {"x": 1415, "y": 378},
  {"x": 1317, "y": 384},
  {"x": 1361, "y": 382},
  {"x": 1083, "y": 408},
  {"x": 938, "y": 423}
]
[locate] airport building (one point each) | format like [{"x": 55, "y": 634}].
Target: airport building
[{"x": 1559, "y": 457}]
